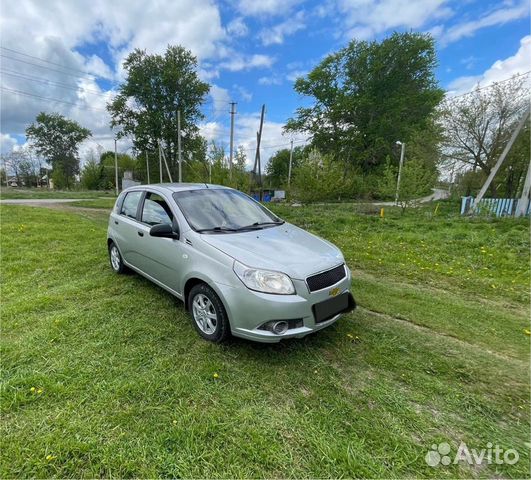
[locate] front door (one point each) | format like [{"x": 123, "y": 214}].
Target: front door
[{"x": 162, "y": 258}]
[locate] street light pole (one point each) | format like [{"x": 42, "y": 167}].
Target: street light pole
[
  {"x": 402, "y": 153},
  {"x": 116, "y": 167},
  {"x": 290, "y": 161}
]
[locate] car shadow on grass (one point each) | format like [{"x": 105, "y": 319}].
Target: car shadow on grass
[{"x": 279, "y": 350}]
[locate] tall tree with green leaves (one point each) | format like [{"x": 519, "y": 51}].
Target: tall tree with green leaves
[
  {"x": 155, "y": 89},
  {"x": 278, "y": 166},
  {"x": 369, "y": 95},
  {"x": 57, "y": 140}
]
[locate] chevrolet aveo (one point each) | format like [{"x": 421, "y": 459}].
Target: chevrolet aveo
[{"x": 238, "y": 268}]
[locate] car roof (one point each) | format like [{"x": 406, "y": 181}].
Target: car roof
[{"x": 177, "y": 187}]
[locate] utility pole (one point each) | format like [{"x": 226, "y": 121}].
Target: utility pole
[
  {"x": 147, "y": 166},
  {"x": 501, "y": 159},
  {"x": 231, "y": 154},
  {"x": 257, "y": 157},
  {"x": 160, "y": 163},
  {"x": 116, "y": 167},
  {"x": 209, "y": 171},
  {"x": 179, "y": 144},
  {"x": 402, "y": 153},
  {"x": 165, "y": 162},
  {"x": 521, "y": 206},
  {"x": 290, "y": 161}
]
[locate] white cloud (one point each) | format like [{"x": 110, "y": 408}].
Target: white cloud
[
  {"x": 272, "y": 80},
  {"x": 500, "y": 70},
  {"x": 220, "y": 99},
  {"x": 364, "y": 19},
  {"x": 56, "y": 31},
  {"x": 499, "y": 16},
  {"x": 246, "y": 126},
  {"x": 244, "y": 94},
  {"x": 293, "y": 75},
  {"x": 266, "y": 7},
  {"x": 246, "y": 62},
  {"x": 7, "y": 143},
  {"x": 237, "y": 28},
  {"x": 277, "y": 33}
]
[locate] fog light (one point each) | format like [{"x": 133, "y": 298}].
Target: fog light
[{"x": 280, "y": 327}]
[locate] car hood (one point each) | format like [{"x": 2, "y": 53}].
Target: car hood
[{"x": 285, "y": 248}]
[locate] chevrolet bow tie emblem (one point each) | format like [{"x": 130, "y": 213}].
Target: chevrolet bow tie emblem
[{"x": 333, "y": 292}]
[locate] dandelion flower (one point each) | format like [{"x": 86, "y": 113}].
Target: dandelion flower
[
  {"x": 39, "y": 391},
  {"x": 50, "y": 457},
  {"x": 32, "y": 389},
  {"x": 527, "y": 331},
  {"x": 216, "y": 375}
]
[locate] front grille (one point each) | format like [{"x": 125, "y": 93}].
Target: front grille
[{"x": 326, "y": 279}]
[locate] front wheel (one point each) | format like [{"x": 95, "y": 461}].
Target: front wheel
[{"x": 208, "y": 313}]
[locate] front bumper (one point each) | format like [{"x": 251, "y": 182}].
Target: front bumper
[{"x": 248, "y": 310}]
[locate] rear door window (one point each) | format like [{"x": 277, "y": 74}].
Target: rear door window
[
  {"x": 156, "y": 210},
  {"x": 130, "y": 205}
]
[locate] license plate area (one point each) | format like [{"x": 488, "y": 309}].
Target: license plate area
[{"x": 329, "y": 308}]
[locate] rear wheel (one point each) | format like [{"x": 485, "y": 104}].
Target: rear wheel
[
  {"x": 208, "y": 313},
  {"x": 115, "y": 259}
]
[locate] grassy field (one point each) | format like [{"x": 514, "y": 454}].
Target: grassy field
[{"x": 103, "y": 375}]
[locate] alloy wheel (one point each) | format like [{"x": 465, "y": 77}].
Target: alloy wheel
[{"x": 204, "y": 314}]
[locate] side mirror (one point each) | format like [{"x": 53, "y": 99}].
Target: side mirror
[{"x": 163, "y": 230}]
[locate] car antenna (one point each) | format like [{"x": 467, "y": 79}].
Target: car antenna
[{"x": 206, "y": 184}]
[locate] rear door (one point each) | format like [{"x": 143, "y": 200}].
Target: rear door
[{"x": 126, "y": 227}]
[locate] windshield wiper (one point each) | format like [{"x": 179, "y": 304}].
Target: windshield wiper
[
  {"x": 217, "y": 229},
  {"x": 254, "y": 226},
  {"x": 258, "y": 225}
]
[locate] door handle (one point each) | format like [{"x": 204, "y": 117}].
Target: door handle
[
  {"x": 140, "y": 233},
  {"x": 116, "y": 222}
]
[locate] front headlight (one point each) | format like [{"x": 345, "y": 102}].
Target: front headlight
[{"x": 264, "y": 281}]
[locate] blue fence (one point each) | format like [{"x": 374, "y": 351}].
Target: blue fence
[{"x": 500, "y": 207}]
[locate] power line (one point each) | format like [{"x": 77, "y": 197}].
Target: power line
[
  {"x": 27, "y": 94},
  {"x": 489, "y": 86},
  {"x": 49, "y": 61},
  {"x": 52, "y": 83},
  {"x": 50, "y": 68}
]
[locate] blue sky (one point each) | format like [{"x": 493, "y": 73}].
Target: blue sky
[{"x": 249, "y": 51}]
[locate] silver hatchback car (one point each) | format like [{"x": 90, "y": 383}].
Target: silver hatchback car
[{"x": 238, "y": 268}]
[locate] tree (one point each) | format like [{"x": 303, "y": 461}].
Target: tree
[
  {"x": 367, "y": 96},
  {"x": 24, "y": 165},
  {"x": 92, "y": 173},
  {"x": 278, "y": 166},
  {"x": 57, "y": 139},
  {"x": 125, "y": 163},
  {"x": 317, "y": 178},
  {"x": 478, "y": 126},
  {"x": 155, "y": 89},
  {"x": 416, "y": 180}
]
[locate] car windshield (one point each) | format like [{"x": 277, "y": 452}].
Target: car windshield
[{"x": 222, "y": 210}]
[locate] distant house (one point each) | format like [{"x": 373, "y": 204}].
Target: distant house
[{"x": 13, "y": 182}]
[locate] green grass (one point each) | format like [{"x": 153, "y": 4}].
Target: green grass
[
  {"x": 123, "y": 386},
  {"x": 16, "y": 193}
]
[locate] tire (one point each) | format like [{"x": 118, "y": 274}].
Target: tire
[
  {"x": 115, "y": 259},
  {"x": 208, "y": 314}
]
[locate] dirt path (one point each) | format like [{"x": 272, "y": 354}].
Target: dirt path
[{"x": 40, "y": 202}]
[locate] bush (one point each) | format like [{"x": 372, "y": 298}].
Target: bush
[{"x": 319, "y": 178}]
